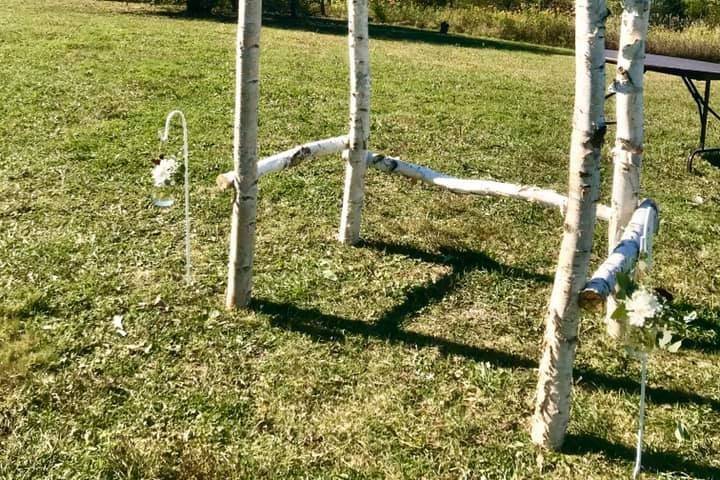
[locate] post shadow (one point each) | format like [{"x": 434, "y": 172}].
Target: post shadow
[
  {"x": 461, "y": 262},
  {"x": 325, "y": 327},
  {"x": 703, "y": 333},
  {"x": 660, "y": 461}
]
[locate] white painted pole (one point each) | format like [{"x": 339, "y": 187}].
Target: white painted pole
[
  {"x": 247, "y": 79},
  {"x": 554, "y": 391},
  {"x": 628, "y": 151},
  {"x": 354, "y": 192}
]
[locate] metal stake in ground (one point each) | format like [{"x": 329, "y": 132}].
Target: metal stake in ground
[{"x": 164, "y": 138}]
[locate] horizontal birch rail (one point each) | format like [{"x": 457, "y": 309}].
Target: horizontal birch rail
[
  {"x": 290, "y": 158},
  {"x": 297, "y": 155},
  {"x": 643, "y": 225},
  {"x": 549, "y": 198}
]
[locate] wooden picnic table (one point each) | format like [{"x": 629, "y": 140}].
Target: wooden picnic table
[{"x": 689, "y": 71}]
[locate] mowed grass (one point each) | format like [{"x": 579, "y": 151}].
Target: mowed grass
[{"x": 411, "y": 356}]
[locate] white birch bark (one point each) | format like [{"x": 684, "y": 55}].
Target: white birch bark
[
  {"x": 289, "y": 158},
  {"x": 546, "y": 197},
  {"x": 554, "y": 391},
  {"x": 354, "y": 192},
  {"x": 491, "y": 188},
  {"x": 628, "y": 151},
  {"x": 247, "y": 79},
  {"x": 639, "y": 233}
]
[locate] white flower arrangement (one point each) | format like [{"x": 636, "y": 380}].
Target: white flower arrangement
[
  {"x": 164, "y": 171},
  {"x": 642, "y": 306},
  {"x": 648, "y": 321}
]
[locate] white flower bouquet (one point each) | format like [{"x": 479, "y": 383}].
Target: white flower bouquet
[
  {"x": 163, "y": 172},
  {"x": 648, "y": 323},
  {"x": 163, "y": 175},
  {"x": 647, "y": 319}
]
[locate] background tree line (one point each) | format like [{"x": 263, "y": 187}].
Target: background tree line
[
  {"x": 672, "y": 13},
  {"x": 293, "y": 8}
]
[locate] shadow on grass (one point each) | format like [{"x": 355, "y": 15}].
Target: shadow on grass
[
  {"x": 713, "y": 158},
  {"x": 332, "y": 26},
  {"x": 703, "y": 333},
  {"x": 461, "y": 262},
  {"x": 331, "y": 328},
  {"x": 327, "y": 327},
  {"x": 658, "y": 461}
]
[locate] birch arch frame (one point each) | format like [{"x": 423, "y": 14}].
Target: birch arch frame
[{"x": 632, "y": 224}]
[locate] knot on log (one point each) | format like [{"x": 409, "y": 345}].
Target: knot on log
[
  {"x": 383, "y": 163},
  {"x": 301, "y": 154},
  {"x": 376, "y": 159},
  {"x": 631, "y": 50},
  {"x": 625, "y": 145},
  {"x": 598, "y": 136},
  {"x": 623, "y": 83}
]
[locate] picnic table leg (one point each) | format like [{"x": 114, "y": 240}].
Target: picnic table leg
[
  {"x": 704, "y": 109},
  {"x": 706, "y": 105}
]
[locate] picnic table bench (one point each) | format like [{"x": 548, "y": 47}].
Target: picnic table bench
[{"x": 689, "y": 71}]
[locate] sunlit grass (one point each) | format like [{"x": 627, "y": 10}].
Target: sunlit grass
[{"x": 411, "y": 356}]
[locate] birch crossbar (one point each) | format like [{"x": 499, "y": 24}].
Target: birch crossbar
[{"x": 631, "y": 225}]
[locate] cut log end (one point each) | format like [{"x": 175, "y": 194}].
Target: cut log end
[
  {"x": 591, "y": 300},
  {"x": 225, "y": 181}
]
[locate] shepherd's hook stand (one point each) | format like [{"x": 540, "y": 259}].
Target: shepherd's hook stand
[{"x": 164, "y": 139}]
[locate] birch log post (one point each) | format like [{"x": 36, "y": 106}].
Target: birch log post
[
  {"x": 628, "y": 151},
  {"x": 247, "y": 79},
  {"x": 638, "y": 234},
  {"x": 354, "y": 192},
  {"x": 553, "y": 399}
]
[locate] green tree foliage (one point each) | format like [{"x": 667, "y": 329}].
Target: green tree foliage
[
  {"x": 673, "y": 13},
  {"x": 293, "y": 8}
]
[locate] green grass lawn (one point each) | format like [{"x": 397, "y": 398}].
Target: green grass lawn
[{"x": 411, "y": 356}]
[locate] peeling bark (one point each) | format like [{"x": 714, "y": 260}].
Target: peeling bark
[
  {"x": 628, "y": 151},
  {"x": 247, "y": 79},
  {"x": 354, "y": 192},
  {"x": 554, "y": 391},
  {"x": 641, "y": 229}
]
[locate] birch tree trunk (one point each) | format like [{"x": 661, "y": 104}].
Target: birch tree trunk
[
  {"x": 354, "y": 192},
  {"x": 628, "y": 151},
  {"x": 552, "y": 407},
  {"x": 247, "y": 79}
]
